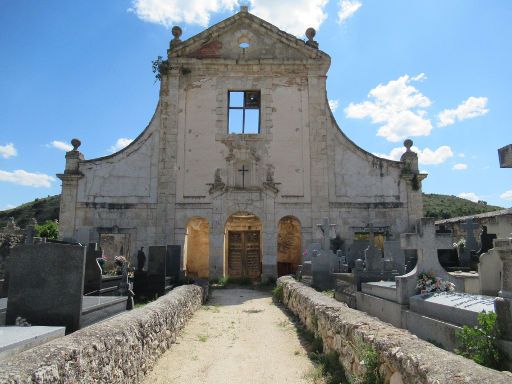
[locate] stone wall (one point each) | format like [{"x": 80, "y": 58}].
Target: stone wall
[
  {"x": 120, "y": 350},
  {"x": 403, "y": 358}
]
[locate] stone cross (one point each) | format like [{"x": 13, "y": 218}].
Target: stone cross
[
  {"x": 327, "y": 233},
  {"x": 243, "y": 170},
  {"x": 469, "y": 226},
  {"x": 426, "y": 243}
]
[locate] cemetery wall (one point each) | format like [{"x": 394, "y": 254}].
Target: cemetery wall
[
  {"x": 120, "y": 350},
  {"x": 403, "y": 358}
]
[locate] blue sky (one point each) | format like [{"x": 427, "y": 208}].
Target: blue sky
[{"x": 438, "y": 72}]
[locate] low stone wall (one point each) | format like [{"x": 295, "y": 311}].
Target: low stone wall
[
  {"x": 119, "y": 350},
  {"x": 403, "y": 358}
]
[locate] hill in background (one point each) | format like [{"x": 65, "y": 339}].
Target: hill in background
[
  {"x": 434, "y": 205},
  {"x": 446, "y": 207},
  {"x": 46, "y": 208}
]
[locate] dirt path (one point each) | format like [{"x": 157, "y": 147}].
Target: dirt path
[{"x": 239, "y": 337}]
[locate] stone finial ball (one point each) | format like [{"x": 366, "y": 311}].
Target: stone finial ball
[
  {"x": 310, "y": 33},
  {"x": 75, "y": 143},
  {"x": 408, "y": 144},
  {"x": 176, "y": 32}
]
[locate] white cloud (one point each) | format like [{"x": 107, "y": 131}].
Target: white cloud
[
  {"x": 170, "y": 12},
  {"x": 460, "y": 167},
  {"x": 347, "y": 9},
  {"x": 425, "y": 156},
  {"x": 29, "y": 179},
  {"x": 7, "y": 207},
  {"x": 8, "y": 150},
  {"x": 461, "y": 154},
  {"x": 293, "y": 16},
  {"x": 334, "y": 104},
  {"x": 120, "y": 144},
  {"x": 399, "y": 106},
  {"x": 507, "y": 195},
  {"x": 60, "y": 145},
  {"x": 469, "y": 196},
  {"x": 468, "y": 109}
]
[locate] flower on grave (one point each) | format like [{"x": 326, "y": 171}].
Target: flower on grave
[
  {"x": 429, "y": 282},
  {"x": 305, "y": 254},
  {"x": 120, "y": 260},
  {"x": 461, "y": 243}
]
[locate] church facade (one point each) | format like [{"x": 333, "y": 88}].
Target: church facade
[{"x": 240, "y": 162}]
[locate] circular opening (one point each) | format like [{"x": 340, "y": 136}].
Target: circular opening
[{"x": 244, "y": 44}]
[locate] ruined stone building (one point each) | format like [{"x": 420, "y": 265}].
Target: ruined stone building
[{"x": 240, "y": 162}]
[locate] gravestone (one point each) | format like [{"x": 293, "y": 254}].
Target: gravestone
[
  {"x": 486, "y": 240},
  {"x": 30, "y": 231},
  {"x": 373, "y": 258},
  {"x": 173, "y": 262},
  {"x": 156, "y": 260},
  {"x": 92, "y": 280},
  {"x": 471, "y": 245},
  {"x": 393, "y": 251},
  {"x": 46, "y": 284},
  {"x": 426, "y": 243},
  {"x": 452, "y": 307},
  {"x": 490, "y": 270},
  {"x": 503, "y": 303},
  {"x": 356, "y": 251}
]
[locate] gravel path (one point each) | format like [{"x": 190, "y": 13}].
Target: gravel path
[{"x": 239, "y": 337}]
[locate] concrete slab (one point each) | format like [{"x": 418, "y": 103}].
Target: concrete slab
[
  {"x": 383, "y": 289},
  {"x": 14, "y": 339}
]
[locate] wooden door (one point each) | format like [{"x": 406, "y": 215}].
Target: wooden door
[{"x": 244, "y": 254}]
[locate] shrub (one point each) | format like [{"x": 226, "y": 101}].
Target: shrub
[
  {"x": 49, "y": 229},
  {"x": 278, "y": 293},
  {"x": 480, "y": 343}
]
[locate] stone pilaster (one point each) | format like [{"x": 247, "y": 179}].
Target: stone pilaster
[{"x": 68, "y": 198}]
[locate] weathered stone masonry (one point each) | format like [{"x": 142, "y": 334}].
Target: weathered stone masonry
[
  {"x": 402, "y": 356},
  {"x": 120, "y": 350}
]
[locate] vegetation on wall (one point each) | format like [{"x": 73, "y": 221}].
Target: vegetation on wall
[{"x": 49, "y": 229}]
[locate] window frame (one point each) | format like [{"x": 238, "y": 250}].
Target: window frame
[{"x": 243, "y": 108}]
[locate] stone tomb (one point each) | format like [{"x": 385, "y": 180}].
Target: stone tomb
[
  {"x": 46, "y": 288},
  {"x": 490, "y": 271},
  {"x": 46, "y": 284},
  {"x": 453, "y": 307}
]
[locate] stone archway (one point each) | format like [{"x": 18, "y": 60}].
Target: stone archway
[
  {"x": 243, "y": 245},
  {"x": 197, "y": 248},
  {"x": 289, "y": 245}
]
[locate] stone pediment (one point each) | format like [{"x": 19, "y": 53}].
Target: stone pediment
[{"x": 262, "y": 41}]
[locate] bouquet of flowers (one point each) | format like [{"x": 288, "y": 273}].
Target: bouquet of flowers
[{"x": 428, "y": 282}]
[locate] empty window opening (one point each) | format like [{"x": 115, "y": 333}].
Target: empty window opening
[{"x": 244, "y": 112}]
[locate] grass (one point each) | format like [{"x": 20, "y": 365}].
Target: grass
[
  {"x": 278, "y": 293},
  {"x": 202, "y": 338}
]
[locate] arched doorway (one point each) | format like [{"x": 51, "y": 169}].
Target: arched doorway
[
  {"x": 289, "y": 245},
  {"x": 242, "y": 244},
  {"x": 197, "y": 248}
]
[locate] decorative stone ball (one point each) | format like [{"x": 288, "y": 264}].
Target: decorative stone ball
[
  {"x": 75, "y": 143},
  {"x": 310, "y": 33},
  {"x": 176, "y": 32},
  {"x": 408, "y": 144}
]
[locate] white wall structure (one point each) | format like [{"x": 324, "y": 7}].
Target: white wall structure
[{"x": 186, "y": 164}]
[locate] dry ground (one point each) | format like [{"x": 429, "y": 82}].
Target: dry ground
[{"x": 239, "y": 337}]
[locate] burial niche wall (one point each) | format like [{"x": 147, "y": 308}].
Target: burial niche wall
[
  {"x": 197, "y": 248},
  {"x": 289, "y": 245}
]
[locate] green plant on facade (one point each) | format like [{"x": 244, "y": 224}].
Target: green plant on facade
[
  {"x": 480, "y": 343},
  {"x": 159, "y": 67},
  {"x": 49, "y": 229}
]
